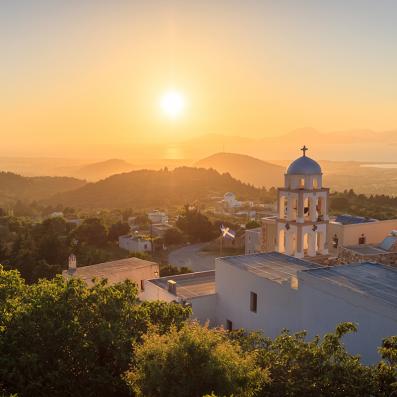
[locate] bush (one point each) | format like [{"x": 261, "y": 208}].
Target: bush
[
  {"x": 192, "y": 362},
  {"x": 62, "y": 338}
]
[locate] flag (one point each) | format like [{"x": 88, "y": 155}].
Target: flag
[{"x": 227, "y": 232}]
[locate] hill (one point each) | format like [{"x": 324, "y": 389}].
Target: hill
[
  {"x": 245, "y": 168},
  {"x": 15, "y": 187},
  {"x": 147, "y": 188},
  {"x": 103, "y": 169}
]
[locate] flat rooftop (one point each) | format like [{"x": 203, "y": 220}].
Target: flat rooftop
[
  {"x": 190, "y": 285},
  {"x": 347, "y": 219},
  {"x": 371, "y": 279},
  {"x": 364, "y": 249},
  {"x": 109, "y": 270},
  {"x": 271, "y": 265}
]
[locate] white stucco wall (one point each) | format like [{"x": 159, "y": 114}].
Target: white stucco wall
[
  {"x": 277, "y": 306},
  {"x": 316, "y": 306},
  {"x": 374, "y": 232},
  {"x": 325, "y": 305},
  {"x": 203, "y": 307},
  {"x": 253, "y": 240}
]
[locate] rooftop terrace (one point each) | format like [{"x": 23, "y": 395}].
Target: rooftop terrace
[
  {"x": 272, "y": 265},
  {"x": 371, "y": 279},
  {"x": 190, "y": 285}
]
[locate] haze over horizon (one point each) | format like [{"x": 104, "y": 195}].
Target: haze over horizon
[{"x": 99, "y": 79}]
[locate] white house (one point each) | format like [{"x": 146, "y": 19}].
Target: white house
[
  {"x": 346, "y": 230},
  {"x": 230, "y": 200},
  {"x": 272, "y": 291},
  {"x": 196, "y": 289},
  {"x": 134, "y": 269},
  {"x": 157, "y": 217},
  {"x": 135, "y": 243},
  {"x": 253, "y": 240}
]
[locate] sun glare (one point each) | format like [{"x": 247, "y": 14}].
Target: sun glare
[{"x": 172, "y": 103}]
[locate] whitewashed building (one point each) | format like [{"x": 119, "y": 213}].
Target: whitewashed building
[
  {"x": 134, "y": 269},
  {"x": 253, "y": 240},
  {"x": 230, "y": 200},
  {"x": 135, "y": 243},
  {"x": 157, "y": 217},
  {"x": 272, "y": 291}
]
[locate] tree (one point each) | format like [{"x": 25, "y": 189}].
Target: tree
[
  {"x": 192, "y": 362},
  {"x": 320, "y": 367},
  {"x": 62, "y": 338},
  {"x": 118, "y": 229},
  {"x": 195, "y": 225},
  {"x": 252, "y": 225},
  {"x": 91, "y": 232},
  {"x": 173, "y": 236}
]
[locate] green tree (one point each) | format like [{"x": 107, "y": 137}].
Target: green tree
[
  {"x": 196, "y": 225},
  {"x": 192, "y": 362},
  {"x": 92, "y": 232},
  {"x": 319, "y": 367},
  {"x": 118, "y": 229},
  {"x": 62, "y": 338},
  {"x": 252, "y": 225},
  {"x": 173, "y": 236}
]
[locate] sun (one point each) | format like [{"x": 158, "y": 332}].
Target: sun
[{"x": 173, "y": 104}]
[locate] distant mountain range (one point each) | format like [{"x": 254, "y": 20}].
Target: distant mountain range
[
  {"x": 245, "y": 168},
  {"x": 148, "y": 189},
  {"x": 103, "y": 169},
  {"x": 15, "y": 187}
]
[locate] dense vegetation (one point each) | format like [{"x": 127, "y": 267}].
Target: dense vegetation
[
  {"x": 40, "y": 250},
  {"x": 60, "y": 338},
  {"x": 15, "y": 187},
  {"x": 148, "y": 189},
  {"x": 372, "y": 206}
]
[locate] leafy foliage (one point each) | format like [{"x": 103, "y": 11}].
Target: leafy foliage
[
  {"x": 193, "y": 361},
  {"x": 373, "y": 206},
  {"x": 173, "y": 236},
  {"x": 195, "y": 225},
  {"x": 61, "y": 338}
]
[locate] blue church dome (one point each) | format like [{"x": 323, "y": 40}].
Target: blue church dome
[{"x": 304, "y": 166}]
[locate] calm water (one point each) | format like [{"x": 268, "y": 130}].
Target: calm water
[{"x": 380, "y": 165}]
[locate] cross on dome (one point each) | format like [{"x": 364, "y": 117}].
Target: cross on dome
[{"x": 304, "y": 150}]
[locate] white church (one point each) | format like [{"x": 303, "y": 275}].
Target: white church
[{"x": 287, "y": 288}]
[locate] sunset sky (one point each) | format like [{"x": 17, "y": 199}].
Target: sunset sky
[{"x": 77, "y": 72}]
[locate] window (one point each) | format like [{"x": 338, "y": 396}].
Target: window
[
  {"x": 253, "y": 302},
  {"x": 229, "y": 325},
  {"x": 362, "y": 239},
  {"x": 142, "y": 285}
]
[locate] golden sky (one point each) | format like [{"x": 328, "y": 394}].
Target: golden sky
[{"x": 74, "y": 73}]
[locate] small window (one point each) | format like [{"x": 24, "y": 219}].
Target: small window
[
  {"x": 253, "y": 302},
  {"x": 302, "y": 183},
  {"x": 229, "y": 325},
  {"x": 142, "y": 285},
  {"x": 145, "y": 247},
  {"x": 362, "y": 239}
]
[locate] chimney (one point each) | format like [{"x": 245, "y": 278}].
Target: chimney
[
  {"x": 72, "y": 262},
  {"x": 172, "y": 286}
]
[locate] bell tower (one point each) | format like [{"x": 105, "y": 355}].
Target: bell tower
[{"x": 302, "y": 205}]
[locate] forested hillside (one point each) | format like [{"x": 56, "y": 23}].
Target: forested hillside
[
  {"x": 145, "y": 188},
  {"x": 14, "y": 187},
  {"x": 246, "y": 168}
]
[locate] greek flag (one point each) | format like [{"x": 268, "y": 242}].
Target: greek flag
[{"x": 227, "y": 232}]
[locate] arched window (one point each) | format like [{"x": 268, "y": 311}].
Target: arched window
[
  {"x": 302, "y": 183},
  {"x": 315, "y": 183}
]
